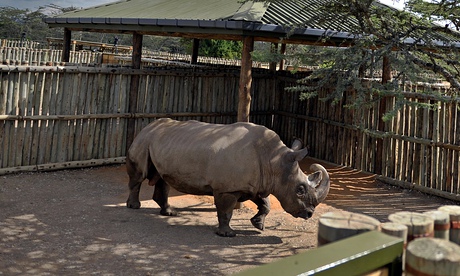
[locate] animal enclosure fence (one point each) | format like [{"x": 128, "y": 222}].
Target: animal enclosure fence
[{"x": 54, "y": 117}]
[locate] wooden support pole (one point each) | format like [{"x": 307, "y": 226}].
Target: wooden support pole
[
  {"x": 386, "y": 77},
  {"x": 273, "y": 50},
  {"x": 66, "y": 45},
  {"x": 195, "y": 47},
  {"x": 244, "y": 93},
  {"x": 134, "y": 88},
  {"x": 282, "y": 51}
]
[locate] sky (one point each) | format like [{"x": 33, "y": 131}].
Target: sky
[{"x": 35, "y": 4}]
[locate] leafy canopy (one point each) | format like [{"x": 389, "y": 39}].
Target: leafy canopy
[{"x": 417, "y": 49}]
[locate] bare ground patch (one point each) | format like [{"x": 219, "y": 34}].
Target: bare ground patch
[{"x": 75, "y": 222}]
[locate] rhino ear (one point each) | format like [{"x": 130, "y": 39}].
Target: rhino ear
[
  {"x": 296, "y": 156},
  {"x": 315, "y": 178},
  {"x": 297, "y": 144}
]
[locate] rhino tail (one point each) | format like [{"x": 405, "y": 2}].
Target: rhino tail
[{"x": 139, "y": 164}]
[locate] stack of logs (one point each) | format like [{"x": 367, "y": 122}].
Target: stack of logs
[{"x": 432, "y": 239}]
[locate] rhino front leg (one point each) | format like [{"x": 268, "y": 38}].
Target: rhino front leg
[
  {"x": 160, "y": 196},
  {"x": 263, "y": 205},
  {"x": 225, "y": 204}
]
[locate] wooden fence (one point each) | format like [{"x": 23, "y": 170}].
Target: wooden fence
[
  {"x": 54, "y": 117},
  {"x": 57, "y": 115},
  {"x": 420, "y": 147}
]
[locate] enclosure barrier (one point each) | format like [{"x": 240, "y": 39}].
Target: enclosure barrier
[
  {"x": 60, "y": 114},
  {"x": 75, "y": 115},
  {"x": 356, "y": 255},
  {"x": 34, "y": 57},
  {"x": 352, "y": 244}
]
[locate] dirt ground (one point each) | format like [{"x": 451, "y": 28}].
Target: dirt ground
[{"x": 75, "y": 222}]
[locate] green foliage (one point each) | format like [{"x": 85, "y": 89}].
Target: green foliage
[
  {"x": 218, "y": 48},
  {"x": 446, "y": 11},
  {"x": 16, "y": 22},
  {"x": 215, "y": 48},
  {"x": 417, "y": 49}
]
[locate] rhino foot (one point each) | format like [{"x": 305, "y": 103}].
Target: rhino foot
[
  {"x": 228, "y": 232},
  {"x": 258, "y": 222},
  {"x": 133, "y": 205},
  {"x": 169, "y": 211}
]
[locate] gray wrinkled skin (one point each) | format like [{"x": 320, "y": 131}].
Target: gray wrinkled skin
[{"x": 233, "y": 163}]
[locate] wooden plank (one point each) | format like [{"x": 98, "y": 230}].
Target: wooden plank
[{"x": 356, "y": 255}]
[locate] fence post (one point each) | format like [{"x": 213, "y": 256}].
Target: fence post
[{"x": 386, "y": 76}]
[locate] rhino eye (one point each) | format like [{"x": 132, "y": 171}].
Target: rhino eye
[{"x": 301, "y": 191}]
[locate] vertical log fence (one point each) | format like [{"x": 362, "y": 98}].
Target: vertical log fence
[{"x": 55, "y": 117}]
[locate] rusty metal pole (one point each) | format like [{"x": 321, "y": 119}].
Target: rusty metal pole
[{"x": 244, "y": 93}]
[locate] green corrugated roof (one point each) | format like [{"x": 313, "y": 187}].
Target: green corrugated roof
[
  {"x": 175, "y": 9},
  {"x": 219, "y": 19}
]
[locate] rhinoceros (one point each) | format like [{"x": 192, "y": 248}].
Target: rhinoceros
[{"x": 231, "y": 162}]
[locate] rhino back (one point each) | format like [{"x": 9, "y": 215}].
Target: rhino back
[{"x": 200, "y": 158}]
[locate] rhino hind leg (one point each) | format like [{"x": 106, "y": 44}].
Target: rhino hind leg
[
  {"x": 160, "y": 196},
  {"x": 135, "y": 182},
  {"x": 225, "y": 203},
  {"x": 263, "y": 205}
]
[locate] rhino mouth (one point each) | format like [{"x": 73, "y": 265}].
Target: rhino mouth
[{"x": 305, "y": 214}]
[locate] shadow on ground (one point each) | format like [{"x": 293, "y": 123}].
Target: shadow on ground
[{"x": 75, "y": 222}]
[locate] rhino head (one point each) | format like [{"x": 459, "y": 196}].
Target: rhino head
[{"x": 299, "y": 193}]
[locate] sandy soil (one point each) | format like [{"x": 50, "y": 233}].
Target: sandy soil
[{"x": 75, "y": 222}]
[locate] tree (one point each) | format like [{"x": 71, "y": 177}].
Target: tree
[
  {"x": 218, "y": 48},
  {"x": 416, "y": 48},
  {"x": 442, "y": 10},
  {"x": 16, "y": 22}
]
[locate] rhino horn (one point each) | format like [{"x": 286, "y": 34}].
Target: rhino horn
[{"x": 320, "y": 181}]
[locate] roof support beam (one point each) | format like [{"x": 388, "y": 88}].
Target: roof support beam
[
  {"x": 244, "y": 93},
  {"x": 195, "y": 47},
  {"x": 134, "y": 89},
  {"x": 283, "y": 52},
  {"x": 66, "y": 46}
]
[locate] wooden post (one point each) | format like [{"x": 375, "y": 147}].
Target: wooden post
[
  {"x": 386, "y": 76},
  {"x": 282, "y": 51},
  {"x": 273, "y": 50},
  {"x": 66, "y": 45},
  {"x": 134, "y": 88},
  {"x": 195, "y": 47},
  {"x": 244, "y": 93}
]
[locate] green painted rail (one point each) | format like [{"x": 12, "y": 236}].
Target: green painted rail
[{"x": 356, "y": 255}]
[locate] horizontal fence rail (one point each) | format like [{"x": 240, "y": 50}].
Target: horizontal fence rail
[
  {"x": 56, "y": 115},
  {"x": 420, "y": 146},
  {"x": 61, "y": 116}
]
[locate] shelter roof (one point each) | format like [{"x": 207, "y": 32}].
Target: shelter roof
[
  {"x": 220, "y": 19},
  {"x": 217, "y": 19}
]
